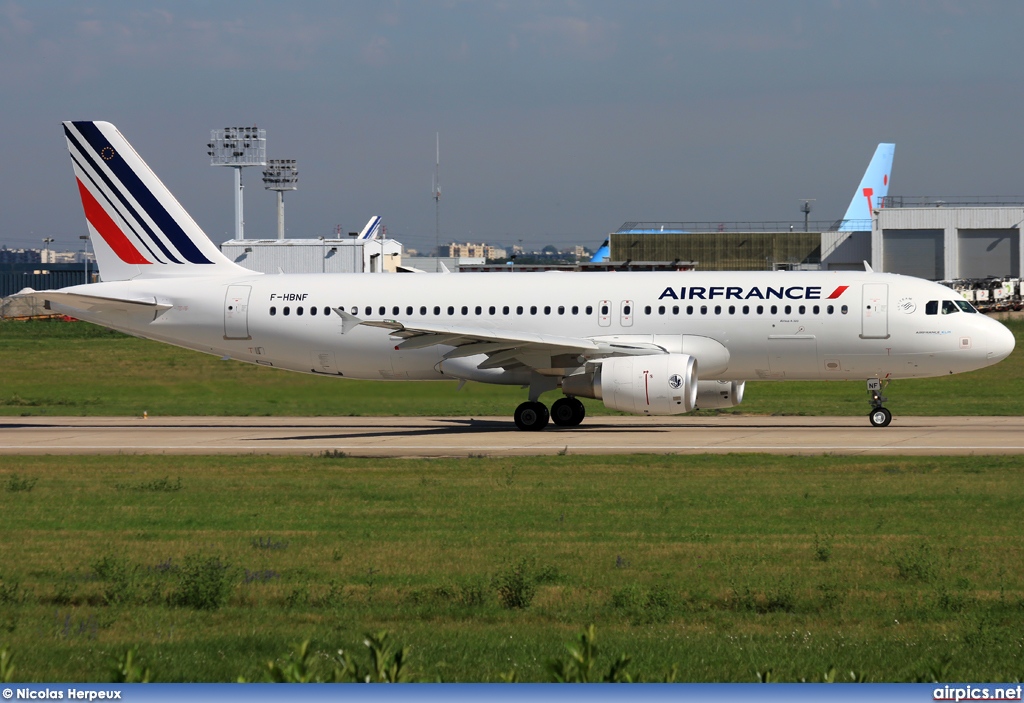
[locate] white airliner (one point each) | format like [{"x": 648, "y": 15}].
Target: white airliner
[{"x": 645, "y": 343}]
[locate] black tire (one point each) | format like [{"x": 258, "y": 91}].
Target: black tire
[
  {"x": 879, "y": 417},
  {"x": 531, "y": 416},
  {"x": 568, "y": 412}
]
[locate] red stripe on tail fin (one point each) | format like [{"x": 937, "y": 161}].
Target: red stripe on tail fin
[{"x": 108, "y": 229}]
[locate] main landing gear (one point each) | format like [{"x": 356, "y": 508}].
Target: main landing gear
[
  {"x": 879, "y": 416},
  {"x": 565, "y": 412}
]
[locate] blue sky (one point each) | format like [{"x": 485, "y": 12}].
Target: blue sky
[{"x": 558, "y": 120}]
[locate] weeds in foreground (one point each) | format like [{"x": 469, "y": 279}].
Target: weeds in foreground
[
  {"x": 6, "y": 666},
  {"x": 386, "y": 663},
  {"x": 579, "y": 667},
  {"x": 128, "y": 670}
]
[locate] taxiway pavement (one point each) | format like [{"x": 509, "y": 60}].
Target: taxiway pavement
[{"x": 494, "y": 436}]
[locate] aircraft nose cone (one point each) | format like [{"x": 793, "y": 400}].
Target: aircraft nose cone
[{"x": 1000, "y": 343}]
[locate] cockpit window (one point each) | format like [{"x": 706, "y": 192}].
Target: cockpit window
[
  {"x": 931, "y": 307},
  {"x": 949, "y": 307},
  {"x": 965, "y": 306}
]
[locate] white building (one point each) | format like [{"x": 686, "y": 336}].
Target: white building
[{"x": 319, "y": 255}]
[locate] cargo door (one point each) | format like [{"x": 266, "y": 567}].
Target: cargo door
[{"x": 236, "y": 312}]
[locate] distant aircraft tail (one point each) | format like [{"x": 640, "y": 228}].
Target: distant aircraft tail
[
  {"x": 602, "y": 254},
  {"x": 138, "y": 228},
  {"x": 873, "y": 187},
  {"x": 372, "y": 228}
]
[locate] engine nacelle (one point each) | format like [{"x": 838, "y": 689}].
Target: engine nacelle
[
  {"x": 654, "y": 384},
  {"x": 712, "y": 395}
]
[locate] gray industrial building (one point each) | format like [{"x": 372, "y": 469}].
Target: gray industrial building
[
  {"x": 933, "y": 238},
  {"x": 948, "y": 238}
]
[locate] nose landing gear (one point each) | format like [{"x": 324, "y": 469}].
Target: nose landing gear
[{"x": 879, "y": 416}]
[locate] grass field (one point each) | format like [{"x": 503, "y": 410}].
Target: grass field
[
  {"x": 58, "y": 368},
  {"x": 896, "y": 569}
]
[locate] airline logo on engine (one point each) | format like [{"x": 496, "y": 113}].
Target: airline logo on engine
[
  {"x": 675, "y": 381},
  {"x": 754, "y": 292}
]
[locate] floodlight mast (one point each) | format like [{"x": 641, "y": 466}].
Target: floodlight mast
[
  {"x": 281, "y": 175},
  {"x": 238, "y": 147}
]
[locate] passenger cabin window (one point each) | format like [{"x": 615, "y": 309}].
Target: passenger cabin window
[
  {"x": 675, "y": 309},
  {"x": 465, "y": 310},
  {"x": 604, "y": 309},
  {"x": 590, "y": 310},
  {"x": 423, "y": 309},
  {"x": 844, "y": 309},
  {"x": 298, "y": 310},
  {"x": 490, "y": 310},
  {"x": 504, "y": 310},
  {"x": 408, "y": 309},
  {"x": 287, "y": 310},
  {"x": 437, "y": 309},
  {"x": 547, "y": 309},
  {"x": 575, "y": 309},
  {"x": 519, "y": 310},
  {"x": 382, "y": 310},
  {"x": 760, "y": 309},
  {"x": 327, "y": 310},
  {"x": 451, "y": 309},
  {"x": 647, "y": 310},
  {"x": 394, "y": 310},
  {"x": 533, "y": 309},
  {"x": 477, "y": 310},
  {"x": 273, "y": 310},
  {"x": 830, "y": 309},
  {"x": 312, "y": 311}
]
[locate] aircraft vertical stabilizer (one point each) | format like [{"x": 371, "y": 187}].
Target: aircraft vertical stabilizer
[
  {"x": 872, "y": 188},
  {"x": 138, "y": 228}
]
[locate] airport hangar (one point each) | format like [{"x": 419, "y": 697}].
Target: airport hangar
[{"x": 939, "y": 239}]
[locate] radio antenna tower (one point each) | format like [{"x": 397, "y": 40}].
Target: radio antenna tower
[{"x": 437, "y": 200}]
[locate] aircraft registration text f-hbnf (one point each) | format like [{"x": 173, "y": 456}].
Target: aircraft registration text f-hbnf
[{"x": 651, "y": 343}]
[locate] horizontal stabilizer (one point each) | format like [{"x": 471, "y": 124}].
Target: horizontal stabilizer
[{"x": 89, "y": 303}]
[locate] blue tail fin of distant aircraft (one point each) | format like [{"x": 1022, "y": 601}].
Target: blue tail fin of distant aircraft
[
  {"x": 603, "y": 253},
  {"x": 873, "y": 187}
]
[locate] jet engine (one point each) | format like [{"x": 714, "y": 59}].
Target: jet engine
[
  {"x": 712, "y": 395},
  {"x": 654, "y": 384}
]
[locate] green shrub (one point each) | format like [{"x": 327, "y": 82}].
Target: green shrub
[
  {"x": 202, "y": 583},
  {"x": 516, "y": 587}
]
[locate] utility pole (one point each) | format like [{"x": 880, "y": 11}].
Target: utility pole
[{"x": 437, "y": 202}]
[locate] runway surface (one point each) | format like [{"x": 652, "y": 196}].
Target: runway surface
[{"x": 454, "y": 436}]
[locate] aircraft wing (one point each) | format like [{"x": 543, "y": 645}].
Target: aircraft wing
[
  {"x": 504, "y": 348},
  {"x": 90, "y": 303}
]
